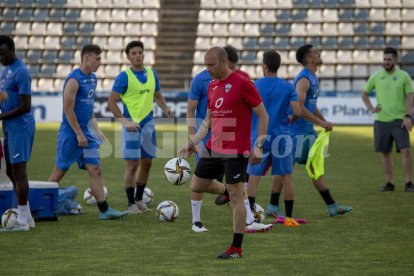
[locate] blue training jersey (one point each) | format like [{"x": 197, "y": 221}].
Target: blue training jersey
[
  {"x": 16, "y": 81},
  {"x": 120, "y": 86},
  {"x": 84, "y": 103},
  {"x": 302, "y": 125},
  {"x": 276, "y": 94},
  {"x": 199, "y": 92}
]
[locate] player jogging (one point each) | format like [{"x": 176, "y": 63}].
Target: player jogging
[
  {"x": 277, "y": 95},
  {"x": 231, "y": 100},
  {"x": 302, "y": 131},
  {"x": 79, "y": 136}
]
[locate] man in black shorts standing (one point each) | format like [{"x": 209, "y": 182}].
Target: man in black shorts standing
[
  {"x": 231, "y": 100},
  {"x": 394, "y": 93}
]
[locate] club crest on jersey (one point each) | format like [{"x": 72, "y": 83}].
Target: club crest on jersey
[
  {"x": 227, "y": 87},
  {"x": 395, "y": 78},
  {"x": 9, "y": 74}
]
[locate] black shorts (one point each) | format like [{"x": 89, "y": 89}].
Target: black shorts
[
  {"x": 211, "y": 168},
  {"x": 385, "y": 133}
]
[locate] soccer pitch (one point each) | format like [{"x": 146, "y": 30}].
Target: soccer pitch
[{"x": 375, "y": 238}]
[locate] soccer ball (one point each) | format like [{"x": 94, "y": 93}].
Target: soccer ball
[
  {"x": 148, "y": 196},
  {"x": 167, "y": 211},
  {"x": 259, "y": 213},
  {"x": 177, "y": 171},
  {"x": 89, "y": 198},
  {"x": 9, "y": 218}
]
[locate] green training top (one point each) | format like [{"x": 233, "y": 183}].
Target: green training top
[
  {"x": 391, "y": 91},
  {"x": 139, "y": 96}
]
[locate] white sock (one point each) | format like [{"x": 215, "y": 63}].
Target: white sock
[
  {"x": 22, "y": 214},
  {"x": 29, "y": 213},
  {"x": 196, "y": 209},
  {"x": 249, "y": 214}
]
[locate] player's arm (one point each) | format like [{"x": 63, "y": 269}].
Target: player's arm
[
  {"x": 302, "y": 87},
  {"x": 261, "y": 114},
  {"x": 23, "y": 108},
  {"x": 159, "y": 99},
  {"x": 407, "y": 123},
  {"x": 196, "y": 139},
  {"x": 368, "y": 104},
  {"x": 114, "y": 108},
  {"x": 191, "y": 123},
  {"x": 97, "y": 130},
  {"x": 69, "y": 98}
]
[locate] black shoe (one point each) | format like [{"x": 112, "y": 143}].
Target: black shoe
[
  {"x": 409, "y": 187},
  {"x": 388, "y": 187},
  {"x": 231, "y": 253},
  {"x": 222, "y": 199}
]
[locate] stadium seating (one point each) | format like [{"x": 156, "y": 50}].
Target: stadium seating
[{"x": 351, "y": 34}]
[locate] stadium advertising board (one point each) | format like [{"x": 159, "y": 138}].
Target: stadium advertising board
[{"x": 348, "y": 110}]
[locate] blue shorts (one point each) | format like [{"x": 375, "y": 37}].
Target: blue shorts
[
  {"x": 139, "y": 144},
  {"x": 279, "y": 157},
  {"x": 302, "y": 143},
  {"x": 18, "y": 145},
  {"x": 68, "y": 152}
]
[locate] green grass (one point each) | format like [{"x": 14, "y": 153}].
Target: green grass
[{"x": 375, "y": 238}]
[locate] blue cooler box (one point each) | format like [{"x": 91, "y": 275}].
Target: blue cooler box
[
  {"x": 43, "y": 198},
  {"x": 7, "y": 196}
]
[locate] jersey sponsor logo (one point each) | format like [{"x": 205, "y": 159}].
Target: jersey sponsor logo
[
  {"x": 91, "y": 93},
  {"x": 143, "y": 91},
  {"x": 316, "y": 92},
  {"x": 227, "y": 87},
  {"x": 219, "y": 102}
]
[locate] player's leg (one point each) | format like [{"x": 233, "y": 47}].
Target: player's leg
[
  {"x": 303, "y": 145},
  {"x": 387, "y": 162},
  {"x": 131, "y": 167},
  {"x": 273, "y": 208},
  {"x": 235, "y": 170},
  {"x": 197, "y": 197},
  {"x": 383, "y": 141},
  {"x": 401, "y": 137},
  {"x": 334, "y": 209},
  {"x": 131, "y": 153},
  {"x": 96, "y": 185},
  {"x": 148, "y": 148},
  {"x": 67, "y": 153},
  {"x": 282, "y": 164},
  {"x": 57, "y": 175},
  {"x": 205, "y": 174},
  {"x": 253, "y": 225},
  {"x": 289, "y": 197},
  {"x": 22, "y": 192},
  {"x": 17, "y": 152},
  {"x": 196, "y": 202},
  {"x": 224, "y": 198},
  {"x": 145, "y": 165},
  {"x": 407, "y": 166},
  {"x": 205, "y": 185}
]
